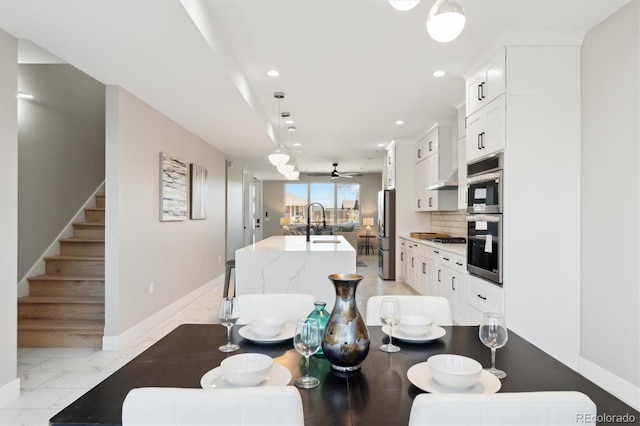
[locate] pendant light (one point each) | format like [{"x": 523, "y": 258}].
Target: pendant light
[
  {"x": 403, "y": 5},
  {"x": 279, "y": 156},
  {"x": 445, "y": 21}
]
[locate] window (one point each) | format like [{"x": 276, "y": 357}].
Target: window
[{"x": 340, "y": 201}]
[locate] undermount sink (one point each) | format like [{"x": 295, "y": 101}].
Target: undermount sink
[{"x": 326, "y": 241}]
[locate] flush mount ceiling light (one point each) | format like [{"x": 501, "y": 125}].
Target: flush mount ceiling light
[
  {"x": 273, "y": 73},
  {"x": 439, "y": 74},
  {"x": 403, "y": 5},
  {"x": 279, "y": 156},
  {"x": 445, "y": 21}
]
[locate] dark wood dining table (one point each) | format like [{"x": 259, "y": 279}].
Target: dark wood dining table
[{"x": 379, "y": 394}]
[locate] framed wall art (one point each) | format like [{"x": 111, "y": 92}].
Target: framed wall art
[
  {"x": 198, "y": 192},
  {"x": 173, "y": 188}
]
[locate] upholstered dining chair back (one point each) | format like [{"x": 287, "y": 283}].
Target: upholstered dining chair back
[
  {"x": 513, "y": 409},
  {"x": 435, "y": 307},
  {"x": 256, "y": 406},
  {"x": 289, "y": 306}
]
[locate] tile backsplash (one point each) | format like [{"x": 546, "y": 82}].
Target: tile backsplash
[{"x": 452, "y": 223}]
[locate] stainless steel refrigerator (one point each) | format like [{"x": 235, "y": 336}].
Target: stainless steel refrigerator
[{"x": 387, "y": 234}]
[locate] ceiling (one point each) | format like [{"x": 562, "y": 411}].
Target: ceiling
[{"x": 349, "y": 68}]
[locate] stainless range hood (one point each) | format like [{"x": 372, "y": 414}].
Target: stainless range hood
[{"x": 449, "y": 182}]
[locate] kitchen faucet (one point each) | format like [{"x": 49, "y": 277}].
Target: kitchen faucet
[{"x": 324, "y": 220}]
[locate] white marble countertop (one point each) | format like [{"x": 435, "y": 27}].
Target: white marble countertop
[
  {"x": 460, "y": 249},
  {"x": 298, "y": 243}
]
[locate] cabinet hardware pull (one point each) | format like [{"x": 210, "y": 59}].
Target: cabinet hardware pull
[
  {"x": 439, "y": 271},
  {"x": 419, "y": 154},
  {"x": 482, "y": 89},
  {"x": 482, "y": 297},
  {"x": 446, "y": 258},
  {"x": 482, "y": 140},
  {"x": 453, "y": 283},
  {"x": 418, "y": 202},
  {"x": 430, "y": 203},
  {"x": 458, "y": 263},
  {"x": 424, "y": 268},
  {"x": 479, "y": 91},
  {"x": 430, "y": 146},
  {"x": 478, "y": 141},
  {"x": 401, "y": 257},
  {"x": 412, "y": 263},
  {"x": 436, "y": 251}
]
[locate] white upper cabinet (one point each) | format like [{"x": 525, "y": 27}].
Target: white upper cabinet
[
  {"x": 389, "y": 168},
  {"x": 462, "y": 158},
  {"x": 435, "y": 161},
  {"x": 486, "y": 131},
  {"x": 487, "y": 83}
]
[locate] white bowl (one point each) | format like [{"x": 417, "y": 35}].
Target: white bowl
[
  {"x": 246, "y": 369},
  {"x": 455, "y": 371},
  {"x": 415, "y": 325},
  {"x": 268, "y": 326}
]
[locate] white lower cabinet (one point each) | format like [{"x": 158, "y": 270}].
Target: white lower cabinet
[
  {"x": 482, "y": 296},
  {"x": 453, "y": 277},
  {"x": 412, "y": 264}
]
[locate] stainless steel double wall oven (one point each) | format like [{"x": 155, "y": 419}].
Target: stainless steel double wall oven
[{"x": 484, "y": 218}]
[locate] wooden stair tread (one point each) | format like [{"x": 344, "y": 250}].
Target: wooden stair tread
[
  {"x": 81, "y": 240},
  {"x": 62, "y": 299},
  {"x": 67, "y": 278},
  {"x": 99, "y": 209},
  {"x": 62, "y": 257},
  {"x": 96, "y": 224},
  {"x": 89, "y": 325}
]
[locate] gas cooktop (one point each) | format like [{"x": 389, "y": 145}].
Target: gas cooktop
[{"x": 448, "y": 240}]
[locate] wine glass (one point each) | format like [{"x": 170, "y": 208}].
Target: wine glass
[
  {"x": 229, "y": 313},
  {"x": 306, "y": 341},
  {"x": 390, "y": 316},
  {"x": 493, "y": 333}
]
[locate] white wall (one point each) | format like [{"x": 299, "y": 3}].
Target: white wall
[
  {"x": 178, "y": 257},
  {"x": 610, "y": 250},
  {"x": 9, "y": 382}
]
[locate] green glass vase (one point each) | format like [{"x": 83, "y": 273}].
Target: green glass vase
[{"x": 322, "y": 316}]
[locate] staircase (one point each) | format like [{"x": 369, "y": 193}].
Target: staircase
[{"x": 65, "y": 306}]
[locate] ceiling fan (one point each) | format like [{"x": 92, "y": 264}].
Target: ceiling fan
[{"x": 335, "y": 174}]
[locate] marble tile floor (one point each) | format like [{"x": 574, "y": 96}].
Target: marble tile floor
[{"x": 52, "y": 378}]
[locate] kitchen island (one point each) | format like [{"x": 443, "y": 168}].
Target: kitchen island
[{"x": 290, "y": 264}]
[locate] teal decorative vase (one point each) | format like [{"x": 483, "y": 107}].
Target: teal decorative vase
[{"x": 322, "y": 316}]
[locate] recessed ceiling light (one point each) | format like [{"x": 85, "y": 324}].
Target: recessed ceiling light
[
  {"x": 399, "y": 122},
  {"x": 380, "y": 144},
  {"x": 297, "y": 144},
  {"x": 273, "y": 73},
  {"x": 439, "y": 73}
]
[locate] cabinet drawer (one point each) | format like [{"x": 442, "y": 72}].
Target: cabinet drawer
[
  {"x": 454, "y": 261},
  {"x": 484, "y": 296}
]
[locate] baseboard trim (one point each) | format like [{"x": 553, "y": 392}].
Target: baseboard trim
[
  {"x": 613, "y": 384},
  {"x": 114, "y": 343},
  {"x": 9, "y": 392}
]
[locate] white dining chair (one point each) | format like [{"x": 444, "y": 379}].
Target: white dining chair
[
  {"x": 290, "y": 306},
  {"x": 255, "y": 406},
  {"x": 435, "y": 307},
  {"x": 513, "y": 409}
]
